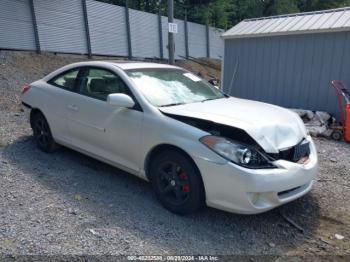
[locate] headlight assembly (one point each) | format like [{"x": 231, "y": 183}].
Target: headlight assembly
[{"x": 238, "y": 153}]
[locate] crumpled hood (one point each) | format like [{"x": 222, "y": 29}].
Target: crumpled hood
[{"x": 274, "y": 128}]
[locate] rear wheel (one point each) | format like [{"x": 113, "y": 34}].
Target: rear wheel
[
  {"x": 177, "y": 182},
  {"x": 42, "y": 133}
]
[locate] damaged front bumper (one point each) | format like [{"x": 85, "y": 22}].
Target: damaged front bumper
[{"x": 249, "y": 191}]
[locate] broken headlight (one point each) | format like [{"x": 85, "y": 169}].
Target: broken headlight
[{"x": 238, "y": 153}]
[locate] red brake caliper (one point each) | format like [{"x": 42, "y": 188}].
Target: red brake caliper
[{"x": 185, "y": 188}]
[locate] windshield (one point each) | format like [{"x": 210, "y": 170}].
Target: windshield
[{"x": 167, "y": 87}]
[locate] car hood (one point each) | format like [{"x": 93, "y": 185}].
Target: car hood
[{"x": 273, "y": 128}]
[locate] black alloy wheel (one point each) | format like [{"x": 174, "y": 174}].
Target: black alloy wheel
[
  {"x": 42, "y": 133},
  {"x": 173, "y": 183},
  {"x": 177, "y": 182}
]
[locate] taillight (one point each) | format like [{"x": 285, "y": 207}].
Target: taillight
[{"x": 25, "y": 88}]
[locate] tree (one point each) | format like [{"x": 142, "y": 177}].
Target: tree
[
  {"x": 281, "y": 7},
  {"x": 313, "y": 5}
]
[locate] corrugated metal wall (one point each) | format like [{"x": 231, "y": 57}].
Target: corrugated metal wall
[
  {"x": 61, "y": 28},
  {"x": 216, "y": 43},
  {"x": 292, "y": 71},
  {"x": 144, "y": 34},
  {"x": 197, "y": 40},
  {"x": 180, "y": 43},
  {"x": 107, "y": 29},
  {"x": 165, "y": 36},
  {"x": 16, "y": 27}
]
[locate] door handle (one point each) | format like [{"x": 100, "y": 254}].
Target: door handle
[{"x": 72, "y": 107}]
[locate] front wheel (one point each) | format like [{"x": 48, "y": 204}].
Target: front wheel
[
  {"x": 42, "y": 133},
  {"x": 177, "y": 182}
]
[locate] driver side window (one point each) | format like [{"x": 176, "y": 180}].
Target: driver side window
[{"x": 99, "y": 83}]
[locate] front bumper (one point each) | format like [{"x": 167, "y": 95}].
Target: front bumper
[{"x": 250, "y": 191}]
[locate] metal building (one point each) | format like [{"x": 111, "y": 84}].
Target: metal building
[{"x": 289, "y": 60}]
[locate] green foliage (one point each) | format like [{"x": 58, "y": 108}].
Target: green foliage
[
  {"x": 310, "y": 5},
  {"x": 283, "y": 7},
  {"x": 226, "y": 13}
]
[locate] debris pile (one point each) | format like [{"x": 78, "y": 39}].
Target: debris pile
[{"x": 318, "y": 123}]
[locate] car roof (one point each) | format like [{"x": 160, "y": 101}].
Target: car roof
[
  {"x": 123, "y": 65},
  {"x": 128, "y": 65},
  {"x": 138, "y": 65}
]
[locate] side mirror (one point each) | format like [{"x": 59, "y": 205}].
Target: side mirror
[{"x": 120, "y": 100}]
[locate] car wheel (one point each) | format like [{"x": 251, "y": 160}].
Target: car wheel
[
  {"x": 177, "y": 182},
  {"x": 42, "y": 133}
]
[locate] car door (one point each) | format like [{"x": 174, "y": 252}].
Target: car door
[
  {"x": 103, "y": 130},
  {"x": 58, "y": 91}
]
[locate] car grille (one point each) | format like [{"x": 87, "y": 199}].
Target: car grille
[
  {"x": 295, "y": 153},
  {"x": 287, "y": 191}
]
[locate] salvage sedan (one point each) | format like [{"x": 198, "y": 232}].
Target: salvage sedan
[{"x": 194, "y": 144}]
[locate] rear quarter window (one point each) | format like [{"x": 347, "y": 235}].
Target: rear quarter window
[{"x": 66, "y": 80}]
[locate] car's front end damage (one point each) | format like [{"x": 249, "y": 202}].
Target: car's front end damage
[
  {"x": 267, "y": 159},
  {"x": 242, "y": 190}
]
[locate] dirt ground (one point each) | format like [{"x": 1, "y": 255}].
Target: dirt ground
[{"x": 68, "y": 203}]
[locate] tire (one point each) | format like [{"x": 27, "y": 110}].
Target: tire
[
  {"x": 177, "y": 182},
  {"x": 337, "y": 135},
  {"x": 42, "y": 133}
]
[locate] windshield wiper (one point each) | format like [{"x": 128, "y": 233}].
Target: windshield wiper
[
  {"x": 208, "y": 99},
  {"x": 215, "y": 98},
  {"x": 173, "y": 104}
]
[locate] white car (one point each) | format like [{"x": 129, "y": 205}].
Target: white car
[{"x": 164, "y": 124}]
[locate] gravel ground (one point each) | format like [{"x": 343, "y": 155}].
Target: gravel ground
[{"x": 68, "y": 203}]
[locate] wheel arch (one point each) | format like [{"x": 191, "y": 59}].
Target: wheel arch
[{"x": 33, "y": 112}]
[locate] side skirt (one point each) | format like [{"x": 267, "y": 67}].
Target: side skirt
[{"x": 102, "y": 159}]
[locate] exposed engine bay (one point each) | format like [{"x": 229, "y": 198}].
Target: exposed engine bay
[
  {"x": 217, "y": 129},
  {"x": 293, "y": 154}
]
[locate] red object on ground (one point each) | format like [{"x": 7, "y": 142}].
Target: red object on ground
[
  {"x": 347, "y": 124},
  {"x": 343, "y": 93}
]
